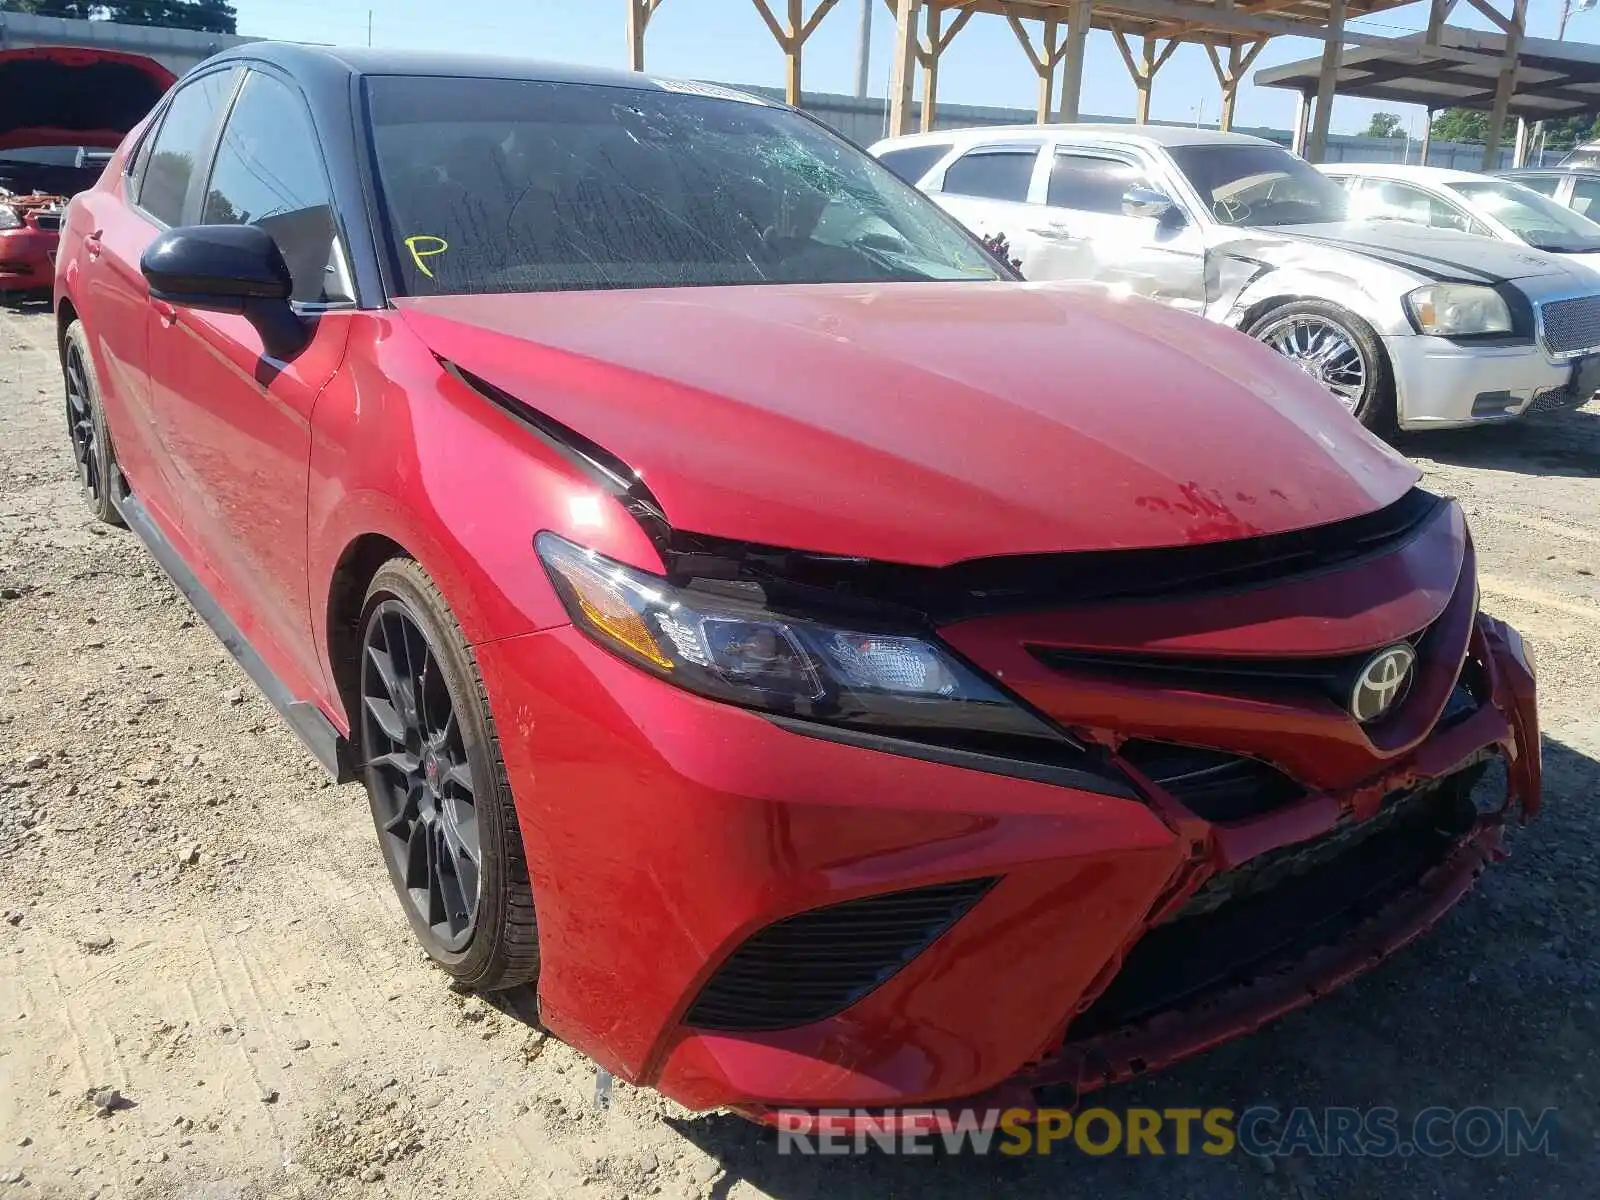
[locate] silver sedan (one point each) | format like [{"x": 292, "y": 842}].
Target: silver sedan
[{"x": 1416, "y": 327}]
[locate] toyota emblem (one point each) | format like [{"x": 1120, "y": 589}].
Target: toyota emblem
[{"x": 1382, "y": 682}]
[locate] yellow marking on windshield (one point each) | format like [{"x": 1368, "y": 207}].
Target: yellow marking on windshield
[{"x": 418, "y": 252}]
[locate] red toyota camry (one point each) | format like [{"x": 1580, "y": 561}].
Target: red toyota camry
[{"x": 836, "y": 672}]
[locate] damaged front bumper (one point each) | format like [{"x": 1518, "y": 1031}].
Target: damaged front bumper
[{"x": 1447, "y": 766}]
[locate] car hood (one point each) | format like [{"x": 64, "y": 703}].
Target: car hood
[
  {"x": 1433, "y": 255},
  {"x": 928, "y": 423},
  {"x": 71, "y": 96}
]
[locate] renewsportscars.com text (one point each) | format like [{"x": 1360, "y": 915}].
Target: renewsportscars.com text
[{"x": 1260, "y": 1131}]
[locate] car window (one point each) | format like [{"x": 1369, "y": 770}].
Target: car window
[
  {"x": 180, "y": 144},
  {"x": 1536, "y": 219},
  {"x": 1091, "y": 182},
  {"x": 992, "y": 172},
  {"x": 1543, "y": 184},
  {"x": 1584, "y": 194},
  {"x": 500, "y": 185},
  {"x": 911, "y": 163},
  {"x": 1257, "y": 185},
  {"x": 268, "y": 172},
  {"x": 1386, "y": 200}
]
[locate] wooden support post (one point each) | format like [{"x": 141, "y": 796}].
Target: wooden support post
[
  {"x": 928, "y": 52},
  {"x": 1438, "y": 14},
  {"x": 1078, "y": 18},
  {"x": 1240, "y": 57},
  {"x": 792, "y": 50},
  {"x": 1144, "y": 70},
  {"x": 1327, "y": 79},
  {"x": 1044, "y": 60},
  {"x": 1427, "y": 138},
  {"x": 903, "y": 66},
  {"x": 639, "y": 14},
  {"x": 1302, "y": 118},
  {"x": 792, "y": 37},
  {"x": 930, "y": 69},
  {"x": 1506, "y": 84}
]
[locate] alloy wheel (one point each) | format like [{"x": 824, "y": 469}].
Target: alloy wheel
[
  {"x": 80, "y": 422},
  {"x": 1324, "y": 350},
  {"x": 419, "y": 775}
]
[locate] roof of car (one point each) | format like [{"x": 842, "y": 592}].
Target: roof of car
[
  {"x": 1413, "y": 172},
  {"x": 1149, "y": 135},
  {"x": 1520, "y": 172},
  {"x": 297, "y": 57}
]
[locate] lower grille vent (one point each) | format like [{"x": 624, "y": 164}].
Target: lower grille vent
[
  {"x": 1278, "y": 907},
  {"x": 815, "y": 964},
  {"x": 1212, "y": 784}
]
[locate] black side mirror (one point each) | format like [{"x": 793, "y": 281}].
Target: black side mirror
[{"x": 231, "y": 269}]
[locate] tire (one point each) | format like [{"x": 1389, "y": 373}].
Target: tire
[
  {"x": 1308, "y": 325},
  {"x": 87, "y": 432},
  {"x": 421, "y": 800}
]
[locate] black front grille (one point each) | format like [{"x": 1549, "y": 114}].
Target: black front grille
[
  {"x": 1333, "y": 677},
  {"x": 1213, "y": 784},
  {"x": 1571, "y": 326},
  {"x": 812, "y": 965},
  {"x": 1278, "y": 907}
]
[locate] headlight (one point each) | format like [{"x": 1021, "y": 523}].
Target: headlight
[
  {"x": 721, "y": 641},
  {"x": 1456, "y": 309},
  {"x": 9, "y": 218}
]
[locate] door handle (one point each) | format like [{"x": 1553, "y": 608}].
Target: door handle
[
  {"x": 92, "y": 245},
  {"x": 167, "y": 313},
  {"x": 1059, "y": 233}
]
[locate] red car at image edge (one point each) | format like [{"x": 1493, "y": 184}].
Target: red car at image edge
[
  {"x": 62, "y": 105},
  {"x": 835, "y": 673}
]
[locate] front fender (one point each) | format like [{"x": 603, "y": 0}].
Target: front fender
[
  {"x": 1247, "y": 276},
  {"x": 404, "y": 451}
]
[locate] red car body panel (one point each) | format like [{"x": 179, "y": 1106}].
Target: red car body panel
[
  {"x": 921, "y": 425},
  {"x": 917, "y": 423},
  {"x": 27, "y": 256},
  {"x": 37, "y": 115}
]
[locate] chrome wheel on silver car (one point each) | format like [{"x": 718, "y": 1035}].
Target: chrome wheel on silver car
[
  {"x": 1338, "y": 350},
  {"x": 1323, "y": 351}
]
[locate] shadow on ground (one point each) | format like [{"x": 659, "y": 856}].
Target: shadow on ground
[{"x": 1559, "y": 444}]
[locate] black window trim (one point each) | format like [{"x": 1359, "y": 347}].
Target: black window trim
[
  {"x": 1015, "y": 146},
  {"x": 944, "y": 148},
  {"x": 208, "y": 144},
  {"x": 1126, "y": 157},
  {"x": 297, "y": 94}
]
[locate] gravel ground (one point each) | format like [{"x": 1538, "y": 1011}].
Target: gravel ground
[{"x": 207, "y": 989}]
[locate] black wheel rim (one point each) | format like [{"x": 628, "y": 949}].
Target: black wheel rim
[
  {"x": 424, "y": 794},
  {"x": 80, "y": 422}
]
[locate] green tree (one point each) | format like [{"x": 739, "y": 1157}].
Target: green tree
[
  {"x": 1384, "y": 125},
  {"x": 207, "y": 16},
  {"x": 1469, "y": 125}
]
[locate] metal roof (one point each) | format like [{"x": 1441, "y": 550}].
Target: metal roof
[
  {"x": 1186, "y": 20},
  {"x": 1554, "y": 79}
]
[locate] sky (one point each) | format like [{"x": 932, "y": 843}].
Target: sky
[{"x": 727, "y": 41}]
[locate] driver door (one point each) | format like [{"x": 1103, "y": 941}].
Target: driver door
[
  {"x": 1162, "y": 257},
  {"x": 238, "y": 420}
]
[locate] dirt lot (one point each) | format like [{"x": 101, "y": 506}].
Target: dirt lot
[{"x": 195, "y": 918}]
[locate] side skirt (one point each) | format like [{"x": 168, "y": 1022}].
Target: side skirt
[{"x": 304, "y": 718}]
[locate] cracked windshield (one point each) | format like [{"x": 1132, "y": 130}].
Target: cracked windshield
[{"x": 514, "y": 186}]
